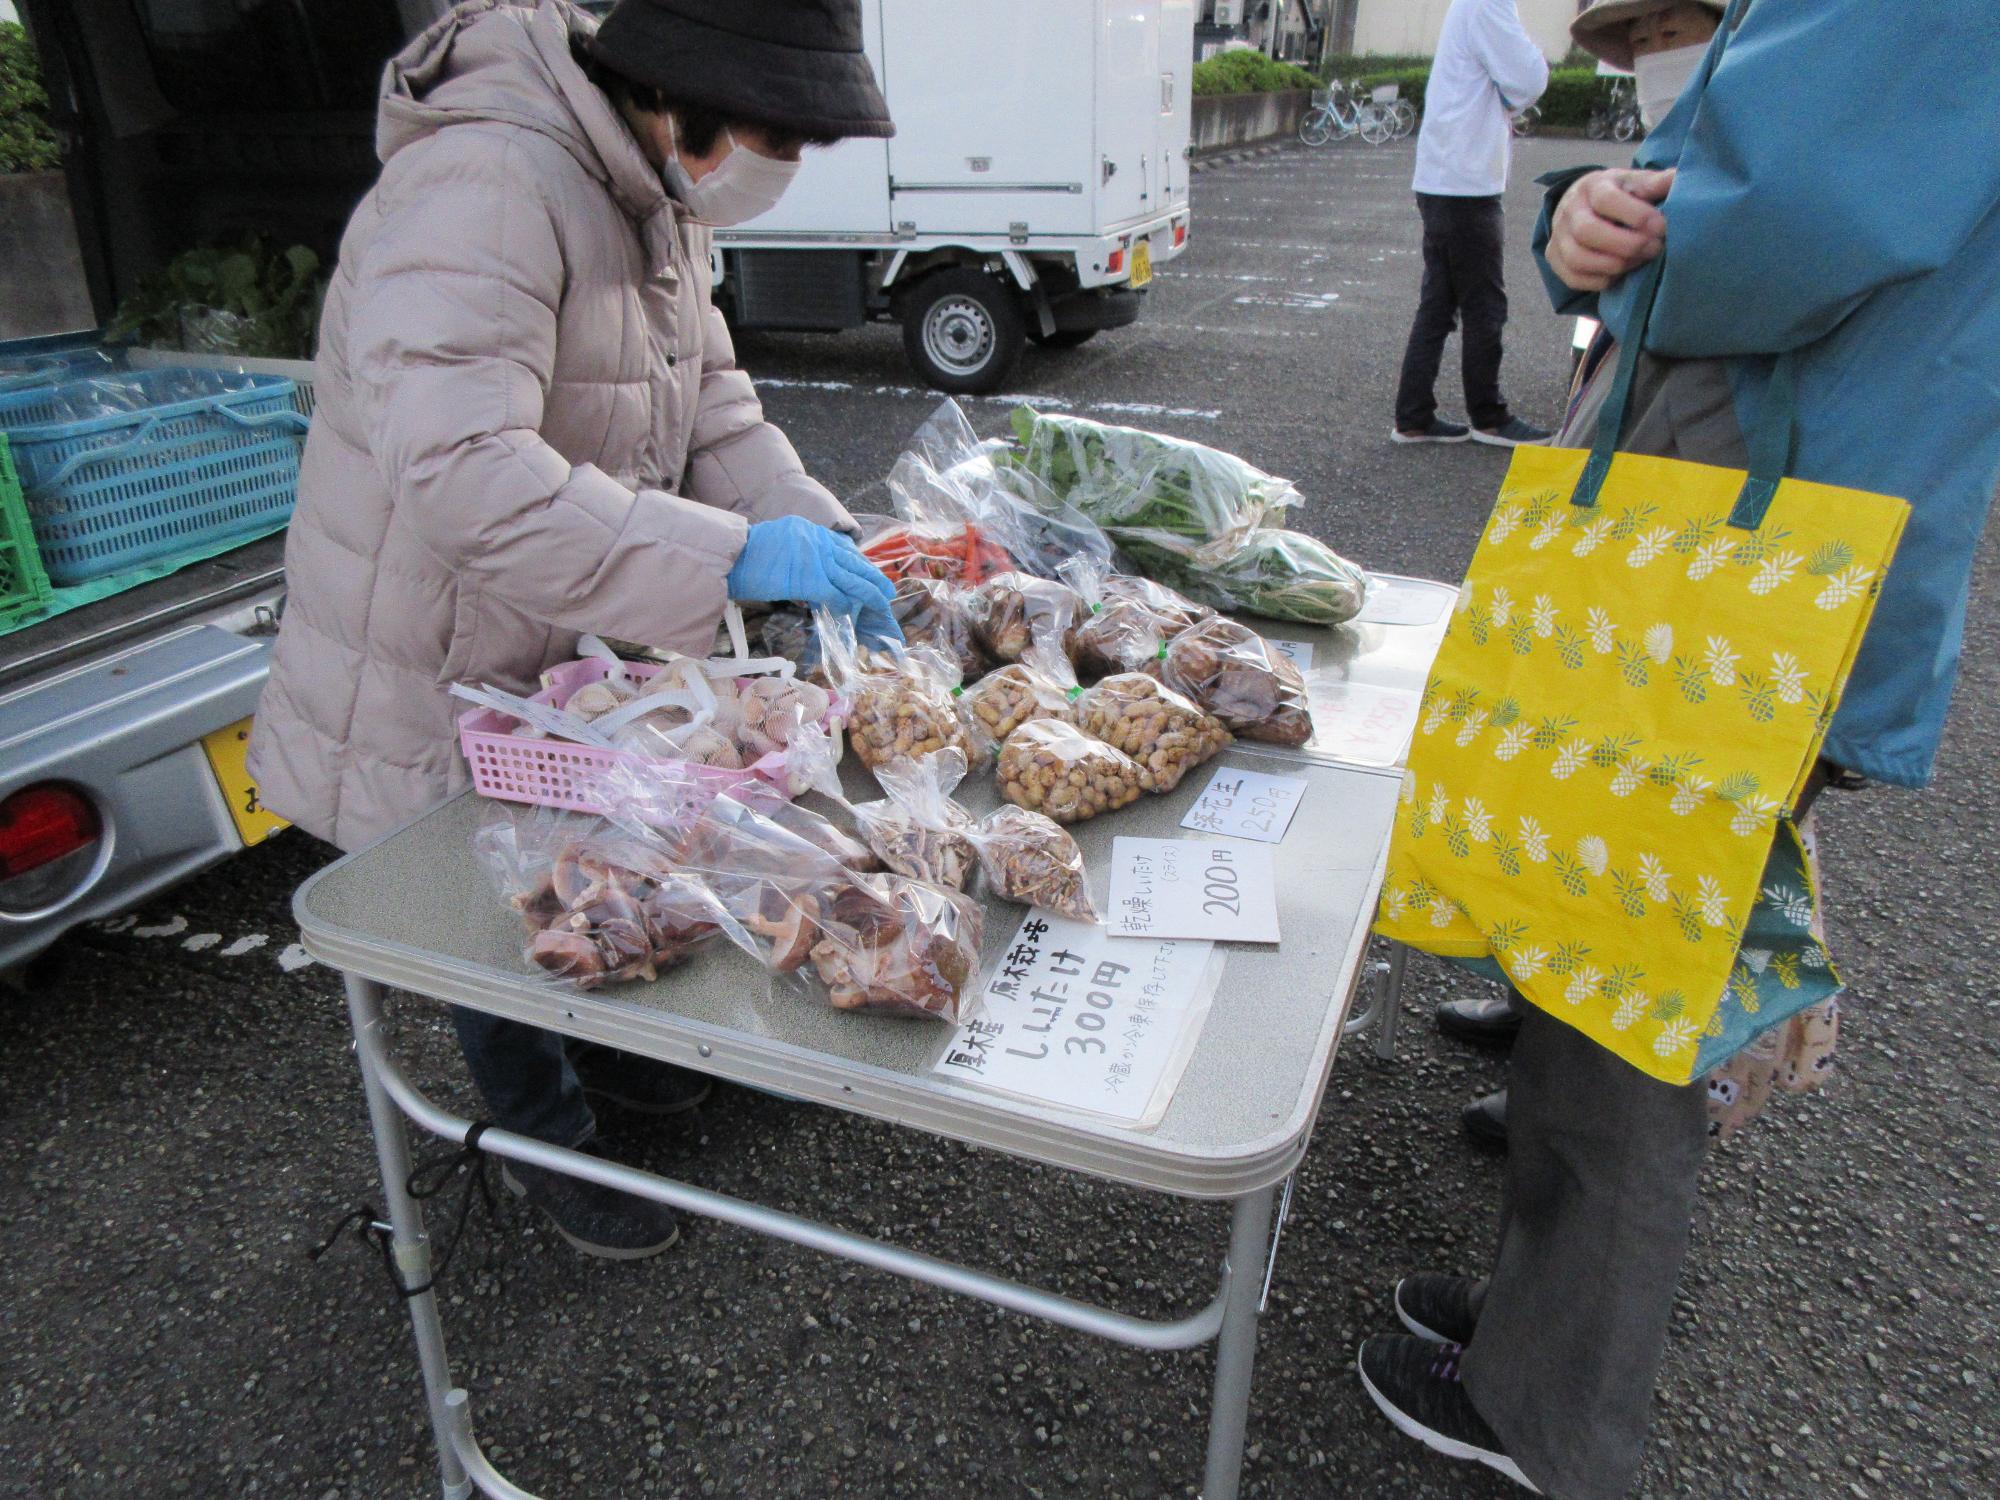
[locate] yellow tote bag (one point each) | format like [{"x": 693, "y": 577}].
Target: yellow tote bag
[{"x": 1645, "y": 658}]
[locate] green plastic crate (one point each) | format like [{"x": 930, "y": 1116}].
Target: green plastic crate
[{"x": 24, "y": 587}]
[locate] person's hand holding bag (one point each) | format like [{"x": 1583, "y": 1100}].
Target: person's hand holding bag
[
  {"x": 1607, "y": 225},
  {"x": 793, "y": 558}
]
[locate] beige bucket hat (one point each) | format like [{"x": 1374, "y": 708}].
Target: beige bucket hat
[{"x": 1601, "y": 30}]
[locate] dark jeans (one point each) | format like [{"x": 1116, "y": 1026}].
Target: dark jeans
[
  {"x": 1602, "y": 1168},
  {"x": 1463, "y": 284},
  {"x": 525, "y": 1076}
]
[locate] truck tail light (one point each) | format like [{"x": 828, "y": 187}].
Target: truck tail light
[
  {"x": 1116, "y": 261},
  {"x": 1180, "y": 235},
  {"x": 41, "y": 824}
]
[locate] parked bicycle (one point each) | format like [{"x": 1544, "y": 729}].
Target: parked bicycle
[
  {"x": 1616, "y": 116},
  {"x": 1338, "y": 113}
]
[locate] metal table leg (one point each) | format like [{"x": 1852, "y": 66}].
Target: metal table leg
[
  {"x": 1236, "y": 1345},
  {"x": 409, "y": 1245},
  {"x": 1392, "y": 1003}
]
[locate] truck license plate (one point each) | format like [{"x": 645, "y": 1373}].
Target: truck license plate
[
  {"x": 1142, "y": 263},
  {"x": 227, "y": 751}
]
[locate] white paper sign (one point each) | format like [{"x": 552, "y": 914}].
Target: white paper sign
[
  {"x": 1193, "y": 888},
  {"x": 1246, "y": 805},
  {"x": 1298, "y": 653},
  {"x": 1356, "y": 722},
  {"x": 1080, "y": 1019},
  {"x": 1392, "y": 602}
]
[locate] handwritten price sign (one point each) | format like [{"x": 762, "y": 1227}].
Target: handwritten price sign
[
  {"x": 1246, "y": 805},
  {"x": 1186, "y": 888}
]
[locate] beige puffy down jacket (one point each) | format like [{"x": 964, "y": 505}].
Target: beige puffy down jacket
[{"x": 529, "y": 425}]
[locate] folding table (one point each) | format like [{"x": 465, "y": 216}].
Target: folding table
[{"x": 414, "y": 912}]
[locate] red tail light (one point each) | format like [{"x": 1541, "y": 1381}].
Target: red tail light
[
  {"x": 41, "y": 824},
  {"x": 1180, "y": 235},
  {"x": 1117, "y": 260}
]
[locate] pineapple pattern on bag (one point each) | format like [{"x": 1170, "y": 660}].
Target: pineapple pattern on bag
[{"x": 1610, "y": 740}]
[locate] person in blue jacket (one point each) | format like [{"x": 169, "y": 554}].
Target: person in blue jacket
[{"x": 1823, "y": 196}]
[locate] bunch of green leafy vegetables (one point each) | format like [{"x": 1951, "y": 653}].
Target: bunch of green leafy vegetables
[{"x": 250, "y": 298}]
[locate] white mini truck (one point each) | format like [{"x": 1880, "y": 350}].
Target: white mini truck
[{"x": 1038, "y": 174}]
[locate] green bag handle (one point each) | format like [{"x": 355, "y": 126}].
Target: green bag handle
[{"x": 1770, "y": 444}]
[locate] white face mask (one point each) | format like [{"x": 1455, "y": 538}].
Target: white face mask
[
  {"x": 744, "y": 185},
  {"x": 1660, "y": 77}
]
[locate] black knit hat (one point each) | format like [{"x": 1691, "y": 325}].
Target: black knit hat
[{"x": 796, "y": 64}]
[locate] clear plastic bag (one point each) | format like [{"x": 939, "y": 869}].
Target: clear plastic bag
[
  {"x": 1282, "y": 575},
  {"x": 1027, "y": 857},
  {"x": 1125, "y": 621},
  {"x": 1246, "y": 682},
  {"x": 918, "y": 830},
  {"x": 1010, "y": 612},
  {"x": 1042, "y": 685},
  {"x": 1146, "y": 488},
  {"x": 599, "y": 906},
  {"x": 900, "y": 703},
  {"x": 1057, "y": 769},
  {"x": 1161, "y": 730},
  {"x": 938, "y": 615}
]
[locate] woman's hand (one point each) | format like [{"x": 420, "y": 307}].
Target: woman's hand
[
  {"x": 793, "y": 558},
  {"x": 1607, "y": 225}
]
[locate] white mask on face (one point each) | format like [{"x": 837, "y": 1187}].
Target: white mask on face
[
  {"x": 1660, "y": 77},
  {"x": 744, "y": 185}
]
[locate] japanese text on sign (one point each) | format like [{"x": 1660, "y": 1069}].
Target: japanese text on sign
[
  {"x": 1246, "y": 805},
  {"x": 1193, "y": 889}
]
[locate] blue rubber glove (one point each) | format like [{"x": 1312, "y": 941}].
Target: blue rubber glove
[
  {"x": 793, "y": 558},
  {"x": 874, "y": 625}
]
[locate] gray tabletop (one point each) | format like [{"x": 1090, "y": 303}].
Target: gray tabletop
[{"x": 416, "y": 912}]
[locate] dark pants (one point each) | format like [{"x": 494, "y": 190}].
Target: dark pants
[
  {"x": 1463, "y": 284},
  {"x": 525, "y": 1076},
  {"x": 1602, "y": 1169}
]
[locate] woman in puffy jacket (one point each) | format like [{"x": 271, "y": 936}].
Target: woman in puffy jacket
[{"x": 530, "y": 425}]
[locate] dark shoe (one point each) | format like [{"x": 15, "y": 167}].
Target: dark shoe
[
  {"x": 597, "y": 1220},
  {"x": 1485, "y": 1120},
  {"x": 1416, "y": 1384},
  {"x": 1443, "y": 1309},
  {"x": 1438, "y": 431},
  {"x": 1491, "y": 1019},
  {"x": 1512, "y": 433},
  {"x": 640, "y": 1084}
]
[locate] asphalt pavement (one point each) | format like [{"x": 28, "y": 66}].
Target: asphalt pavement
[{"x": 180, "y": 1118}]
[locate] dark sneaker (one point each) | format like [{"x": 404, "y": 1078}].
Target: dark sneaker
[
  {"x": 1416, "y": 1384},
  {"x": 1491, "y": 1019},
  {"x": 1438, "y": 431},
  {"x": 597, "y": 1220},
  {"x": 1512, "y": 433},
  {"x": 640, "y": 1084},
  {"x": 1485, "y": 1120},
  {"x": 1443, "y": 1309}
]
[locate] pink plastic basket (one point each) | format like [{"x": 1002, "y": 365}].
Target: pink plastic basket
[{"x": 555, "y": 773}]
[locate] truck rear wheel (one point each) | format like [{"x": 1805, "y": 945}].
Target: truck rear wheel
[{"x": 962, "y": 329}]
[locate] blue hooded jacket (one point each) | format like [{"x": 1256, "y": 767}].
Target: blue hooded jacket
[{"x": 1838, "y": 197}]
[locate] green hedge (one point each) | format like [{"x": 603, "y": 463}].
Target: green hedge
[
  {"x": 1569, "y": 99},
  {"x": 27, "y": 144},
  {"x": 1248, "y": 72}
]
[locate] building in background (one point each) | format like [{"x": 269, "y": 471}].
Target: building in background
[
  {"x": 1294, "y": 30},
  {"x": 1412, "y": 26}
]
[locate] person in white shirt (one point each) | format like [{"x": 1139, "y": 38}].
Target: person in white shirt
[{"x": 1487, "y": 69}]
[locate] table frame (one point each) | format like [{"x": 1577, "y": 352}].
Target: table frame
[{"x": 1229, "y": 1320}]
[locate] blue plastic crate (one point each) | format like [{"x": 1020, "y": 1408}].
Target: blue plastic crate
[
  {"x": 199, "y": 456},
  {"x": 21, "y": 372}
]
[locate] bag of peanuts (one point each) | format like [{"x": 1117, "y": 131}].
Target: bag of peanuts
[
  {"x": 1124, "y": 619},
  {"x": 1235, "y": 674},
  {"x": 1050, "y": 767},
  {"x": 938, "y": 615},
  {"x": 902, "y": 702},
  {"x": 1042, "y": 685},
  {"x": 1161, "y": 730},
  {"x": 918, "y": 830},
  {"x": 1027, "y": 857},
  {"x": 1011, "y": 612}
]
